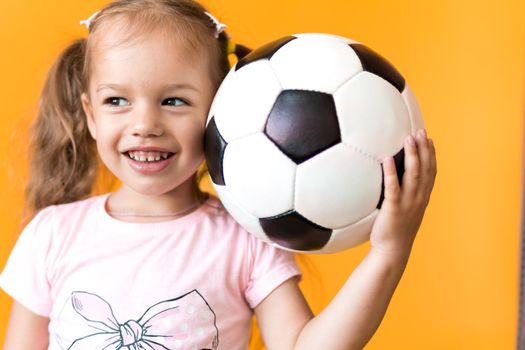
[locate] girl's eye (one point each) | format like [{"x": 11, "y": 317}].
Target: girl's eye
[
  {"x": 174, "y": 101},
  {"x": 116, "y": 101}
]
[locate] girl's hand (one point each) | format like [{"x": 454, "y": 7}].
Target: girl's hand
[{"x": 403, "y": 207}]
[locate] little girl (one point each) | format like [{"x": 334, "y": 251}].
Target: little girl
[{"x": 159, "y": 264}]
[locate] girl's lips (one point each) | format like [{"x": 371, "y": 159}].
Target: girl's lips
[{"x": 149, "y": 167}]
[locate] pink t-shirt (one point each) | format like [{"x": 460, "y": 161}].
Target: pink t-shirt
[{"x": 189, "y": 283}]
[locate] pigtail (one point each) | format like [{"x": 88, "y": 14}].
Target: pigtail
[
  {"x": 241, "y": 51},
  {"x": 228, "y": 46},
  {"x": 64, "y": 163}
]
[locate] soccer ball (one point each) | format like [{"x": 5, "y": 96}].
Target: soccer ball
[{"x": 296, "y": 135}]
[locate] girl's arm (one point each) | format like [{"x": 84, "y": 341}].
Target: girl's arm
[
  {"x": 26, "y": 330},
  {"x": 352, "y": 317}
]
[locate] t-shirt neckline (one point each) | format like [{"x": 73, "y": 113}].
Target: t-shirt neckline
[{"x": 191, "y": 217}]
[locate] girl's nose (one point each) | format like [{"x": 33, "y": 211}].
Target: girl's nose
[{"x": 146, "y": 123}]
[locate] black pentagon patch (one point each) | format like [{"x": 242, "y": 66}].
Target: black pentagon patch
[
  {"x": 291, "y": 230},
  {"x": 303, "y": 123},
  {"x": 214, "y": 146},
  {"x": 264, "y": 52},
  {"x": 399, "y": 160},
  {"x": 374, "y": 63}
]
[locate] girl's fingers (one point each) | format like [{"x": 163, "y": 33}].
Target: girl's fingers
[
  {"x": 412, "y": 167},
  {"x": 392, "y": 189},
  {"x": 433, "y": 162},
  {"x": 425, "y": 156},
  {"x": 432, "y": 171}
]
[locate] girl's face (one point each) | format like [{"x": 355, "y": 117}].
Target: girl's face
[{"x": 147, "y": 106}]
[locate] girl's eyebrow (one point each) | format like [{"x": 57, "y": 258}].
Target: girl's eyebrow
[
  {"x": 181, "y": 87},
  {"x": 108, "y": 86}
]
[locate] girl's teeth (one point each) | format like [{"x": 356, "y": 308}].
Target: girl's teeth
[{"x": 148, "y": 156}]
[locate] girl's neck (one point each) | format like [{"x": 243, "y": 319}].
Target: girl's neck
[{"x": 128, "y": 205}]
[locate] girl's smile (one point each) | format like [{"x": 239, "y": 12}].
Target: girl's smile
[{"x": 148, "y": 160}]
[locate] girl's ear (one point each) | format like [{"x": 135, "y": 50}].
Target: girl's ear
[{"x": 88, "y": 111}]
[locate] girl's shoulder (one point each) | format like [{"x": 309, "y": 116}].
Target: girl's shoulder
[
  {"x": 213, "y": 207},
  {"x": 82, "y": 204},
  {"x": 244, "y": 228},
  {"x": 213, "y": 211},
  {"x": 80, "y": 208},
  {"x": 64, "y": 215},
  {"x": 52, "y": 225},
  {"x": 56, "y": 211}
]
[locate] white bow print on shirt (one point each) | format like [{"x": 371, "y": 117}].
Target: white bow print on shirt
[{"x": 186, "y": 322}]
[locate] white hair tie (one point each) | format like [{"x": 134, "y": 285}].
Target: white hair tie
[
  {"x": 87, "y": 22},
  {"x": 219, "y": 27}
]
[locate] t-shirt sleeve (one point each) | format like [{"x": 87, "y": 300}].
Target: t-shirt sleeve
[
  {"x": 24, "y": 276},
  {"x": 270, "y": 267}
]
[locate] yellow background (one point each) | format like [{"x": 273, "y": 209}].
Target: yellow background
[{"x": 464, "y": 60}]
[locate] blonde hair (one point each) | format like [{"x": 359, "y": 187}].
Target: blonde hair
[{"x": 64, "y": 161}]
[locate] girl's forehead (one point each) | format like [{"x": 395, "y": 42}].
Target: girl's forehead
[
  {"x": 154, "y": 58},
  {"x": 119, "y": 34},
  {"x": 113, "y": 43}
]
